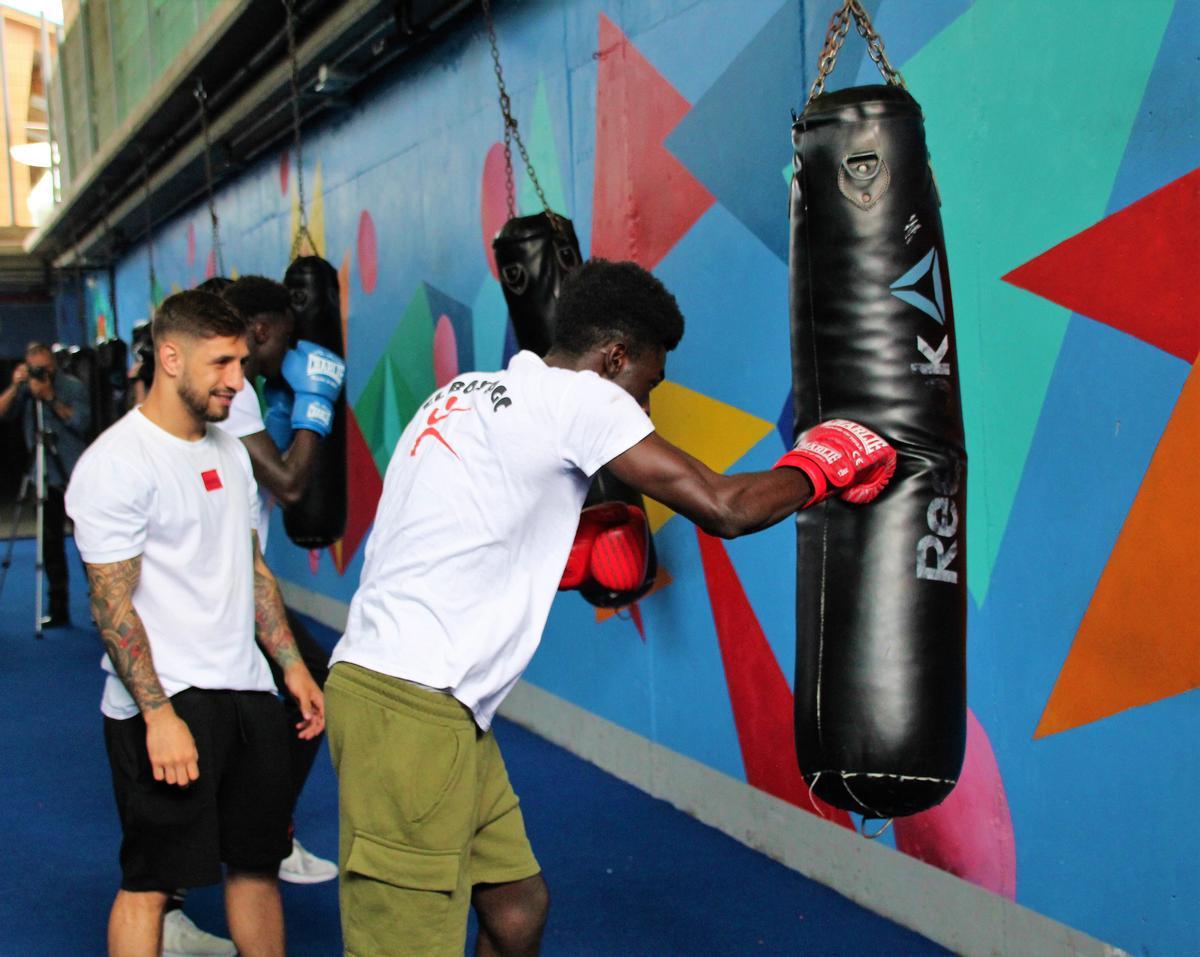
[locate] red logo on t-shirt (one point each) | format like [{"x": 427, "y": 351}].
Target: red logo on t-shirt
[
  {"x": 212, "y": 480},
  {"x": 435, "y": 420}
]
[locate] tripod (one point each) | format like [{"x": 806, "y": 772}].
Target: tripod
[{"x": 35, "y": 479}]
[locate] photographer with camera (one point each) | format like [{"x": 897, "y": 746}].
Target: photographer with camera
[{"x": 66, "y": 417}]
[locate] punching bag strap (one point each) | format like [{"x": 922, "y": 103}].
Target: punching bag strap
[
  {"x": 839, "y": 26},
  {"x": 513, "y": 134}
]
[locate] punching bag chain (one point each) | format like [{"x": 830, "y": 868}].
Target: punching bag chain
[
  {"x": 202, "y": 100},
  {"x": 511, "y": 133},
  {"x": 149, "y": 230},
  {"x": 294, "y": 80},
  {"x": 839, "y": 27}
]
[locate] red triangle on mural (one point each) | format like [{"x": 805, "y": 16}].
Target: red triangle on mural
[
  {"x": 758, "y": 689},
  {"x": 1133, "y": 270},
  {"x": 363, "y": 493},
  {"x": 1138, "y": 642},
  {"x": 644, "y": 199}
]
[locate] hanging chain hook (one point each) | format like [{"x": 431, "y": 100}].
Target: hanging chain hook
[
  {"x": 149, "y": 229},
  {"x": 835, "y": 36},
  {"x": 294, "y": 79},
  {"x": 512, "y": 133},
  {"x": 202, "y": 101}
]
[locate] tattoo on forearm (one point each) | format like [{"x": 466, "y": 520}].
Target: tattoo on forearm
[
  {"x": 269, "y": 616},
  {"x": 121, "y": 629}
]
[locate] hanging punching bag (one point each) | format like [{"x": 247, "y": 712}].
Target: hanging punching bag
[
  {"x": 319, "y": 518},
  {"x": 533, "y": 256},
  {"x": 880, "y": 704},
  {"x": 111, "y": 383}
]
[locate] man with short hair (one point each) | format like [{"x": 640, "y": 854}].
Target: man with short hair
[
  {"x": 476, "y": 526},
  {"x": 66, "y": 418},
  {"x": 164, "y": 509}
]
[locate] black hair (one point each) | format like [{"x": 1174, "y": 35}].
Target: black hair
[
  {"x": 215, "y": 284},
  {"x": 603, "y": 300},
  {"x": 198, "y": 314},
  {"x": 254, "y": 296}
]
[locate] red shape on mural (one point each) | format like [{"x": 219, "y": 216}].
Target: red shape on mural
[
  {"x": 970, "y": 834},
  {"x": 210, "y": 264},
  {"x": 761, "y": 699},
  {"x": 362, "y": 495},
  {"x": 191, "y": 245},
  {"x": 493, "y": 202},
  {"x": 1133, "y": 270},
  {"x": 445, "y": 351},
  {"x": 284, "y": 163},
  {"x": 644, "y": 199},
  {"x": 368, "y": 257}
]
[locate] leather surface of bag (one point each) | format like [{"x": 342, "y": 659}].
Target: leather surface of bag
[
  {"x": 319, "y": 518},
  {"x": 881, "y": 590},
  {"x": 533, "y": 258}
]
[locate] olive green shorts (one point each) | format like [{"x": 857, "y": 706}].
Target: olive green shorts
[{"x": 425, "y": 810}]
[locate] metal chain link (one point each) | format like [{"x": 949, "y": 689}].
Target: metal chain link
[
  {"x": 511, "y": 132},
  {"x": 149, "y": 229},
  {"x": 202, "y": 100},
  {"x": 294, "y": 79},
  {"x": 839, "y": 27}
]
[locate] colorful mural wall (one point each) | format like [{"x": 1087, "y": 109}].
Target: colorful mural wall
[{"x": 1066, "y": 143}]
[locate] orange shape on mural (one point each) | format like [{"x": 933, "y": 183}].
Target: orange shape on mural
[{"x": 1138, "y": 642}]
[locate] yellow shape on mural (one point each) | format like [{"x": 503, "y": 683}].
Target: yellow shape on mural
[
  {"x": 715, "y": 433},
  {"x": 315, "y": 200}
]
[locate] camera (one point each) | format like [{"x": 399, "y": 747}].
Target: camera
[{"x": 41, "y": 373}]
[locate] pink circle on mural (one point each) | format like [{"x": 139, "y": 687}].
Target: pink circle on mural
[
  {"x": 368, "y": 253},
  {"x": 970, "y": 834},
  {"x": 284, "y": 162},
  {"x": 210, "y": 265},
  {"x": 191, "y": 244},
  {"x": 445, "y": 351},
  {"x": 493, "y": 202}
]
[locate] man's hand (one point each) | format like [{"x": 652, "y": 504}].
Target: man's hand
[
  {"x": 309, "y": 699},
  {"x": 842, "y": 458},
  {"x": 172, "y": 750},
  {"x": 20, "y": 374}
]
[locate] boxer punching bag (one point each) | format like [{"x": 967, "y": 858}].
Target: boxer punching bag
[
  {"x": 319, "y": 518},
  {"x": 880, "y": 704},
  {"x": 533, "y": 256}
]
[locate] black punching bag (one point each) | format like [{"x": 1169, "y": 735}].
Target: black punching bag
[
  {"x": 111, "y": 383},
  {"x": 533, "y": 256},
  {"x": 319, "y": 518},
  {"x": 881, "y": 590}
]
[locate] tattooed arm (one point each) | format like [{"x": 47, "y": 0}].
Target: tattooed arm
[
  {"x": 169, "y": 743},
  {"x": 276, "y": 638}
]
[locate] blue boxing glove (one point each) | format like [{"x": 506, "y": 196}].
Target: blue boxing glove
[
  {"x": 316, "y": 375},
  {"x": 277, "y": 416}
]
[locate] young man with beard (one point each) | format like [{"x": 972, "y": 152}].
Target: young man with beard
[{"x": 164, "y": 509}]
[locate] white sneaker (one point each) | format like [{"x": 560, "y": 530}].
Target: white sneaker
[
  {"x": 182, "y": 938},
  {"x": 302, "y": 867}
]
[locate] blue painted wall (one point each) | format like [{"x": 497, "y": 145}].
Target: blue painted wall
[{"x": 1043, "y": 119}]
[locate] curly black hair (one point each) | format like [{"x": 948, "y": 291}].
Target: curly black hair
[
  {"x": 601, "y": 301},
  {"x": 255, "y": 296},
  {"x": 215, "y": 284}
]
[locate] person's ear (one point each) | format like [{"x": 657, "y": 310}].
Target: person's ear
[
  {"x": 170, "y": 358},
  {"x": 615, "y": 357}
]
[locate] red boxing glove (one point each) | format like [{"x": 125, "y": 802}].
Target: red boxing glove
[
  {"x": 610, "y": 548},
  {"x": 843, "y": 457}
]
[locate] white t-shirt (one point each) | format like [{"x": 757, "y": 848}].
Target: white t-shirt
[
  {"x": 245, "y": 418},
  {"x": 479, "y": 509},
  {"x": 187, "y": 508}
]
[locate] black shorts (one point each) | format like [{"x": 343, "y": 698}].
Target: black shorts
[{"x": 235, "y": 813}]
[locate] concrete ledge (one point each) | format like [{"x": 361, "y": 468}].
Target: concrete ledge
[{"x": 956, "y": 914}]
